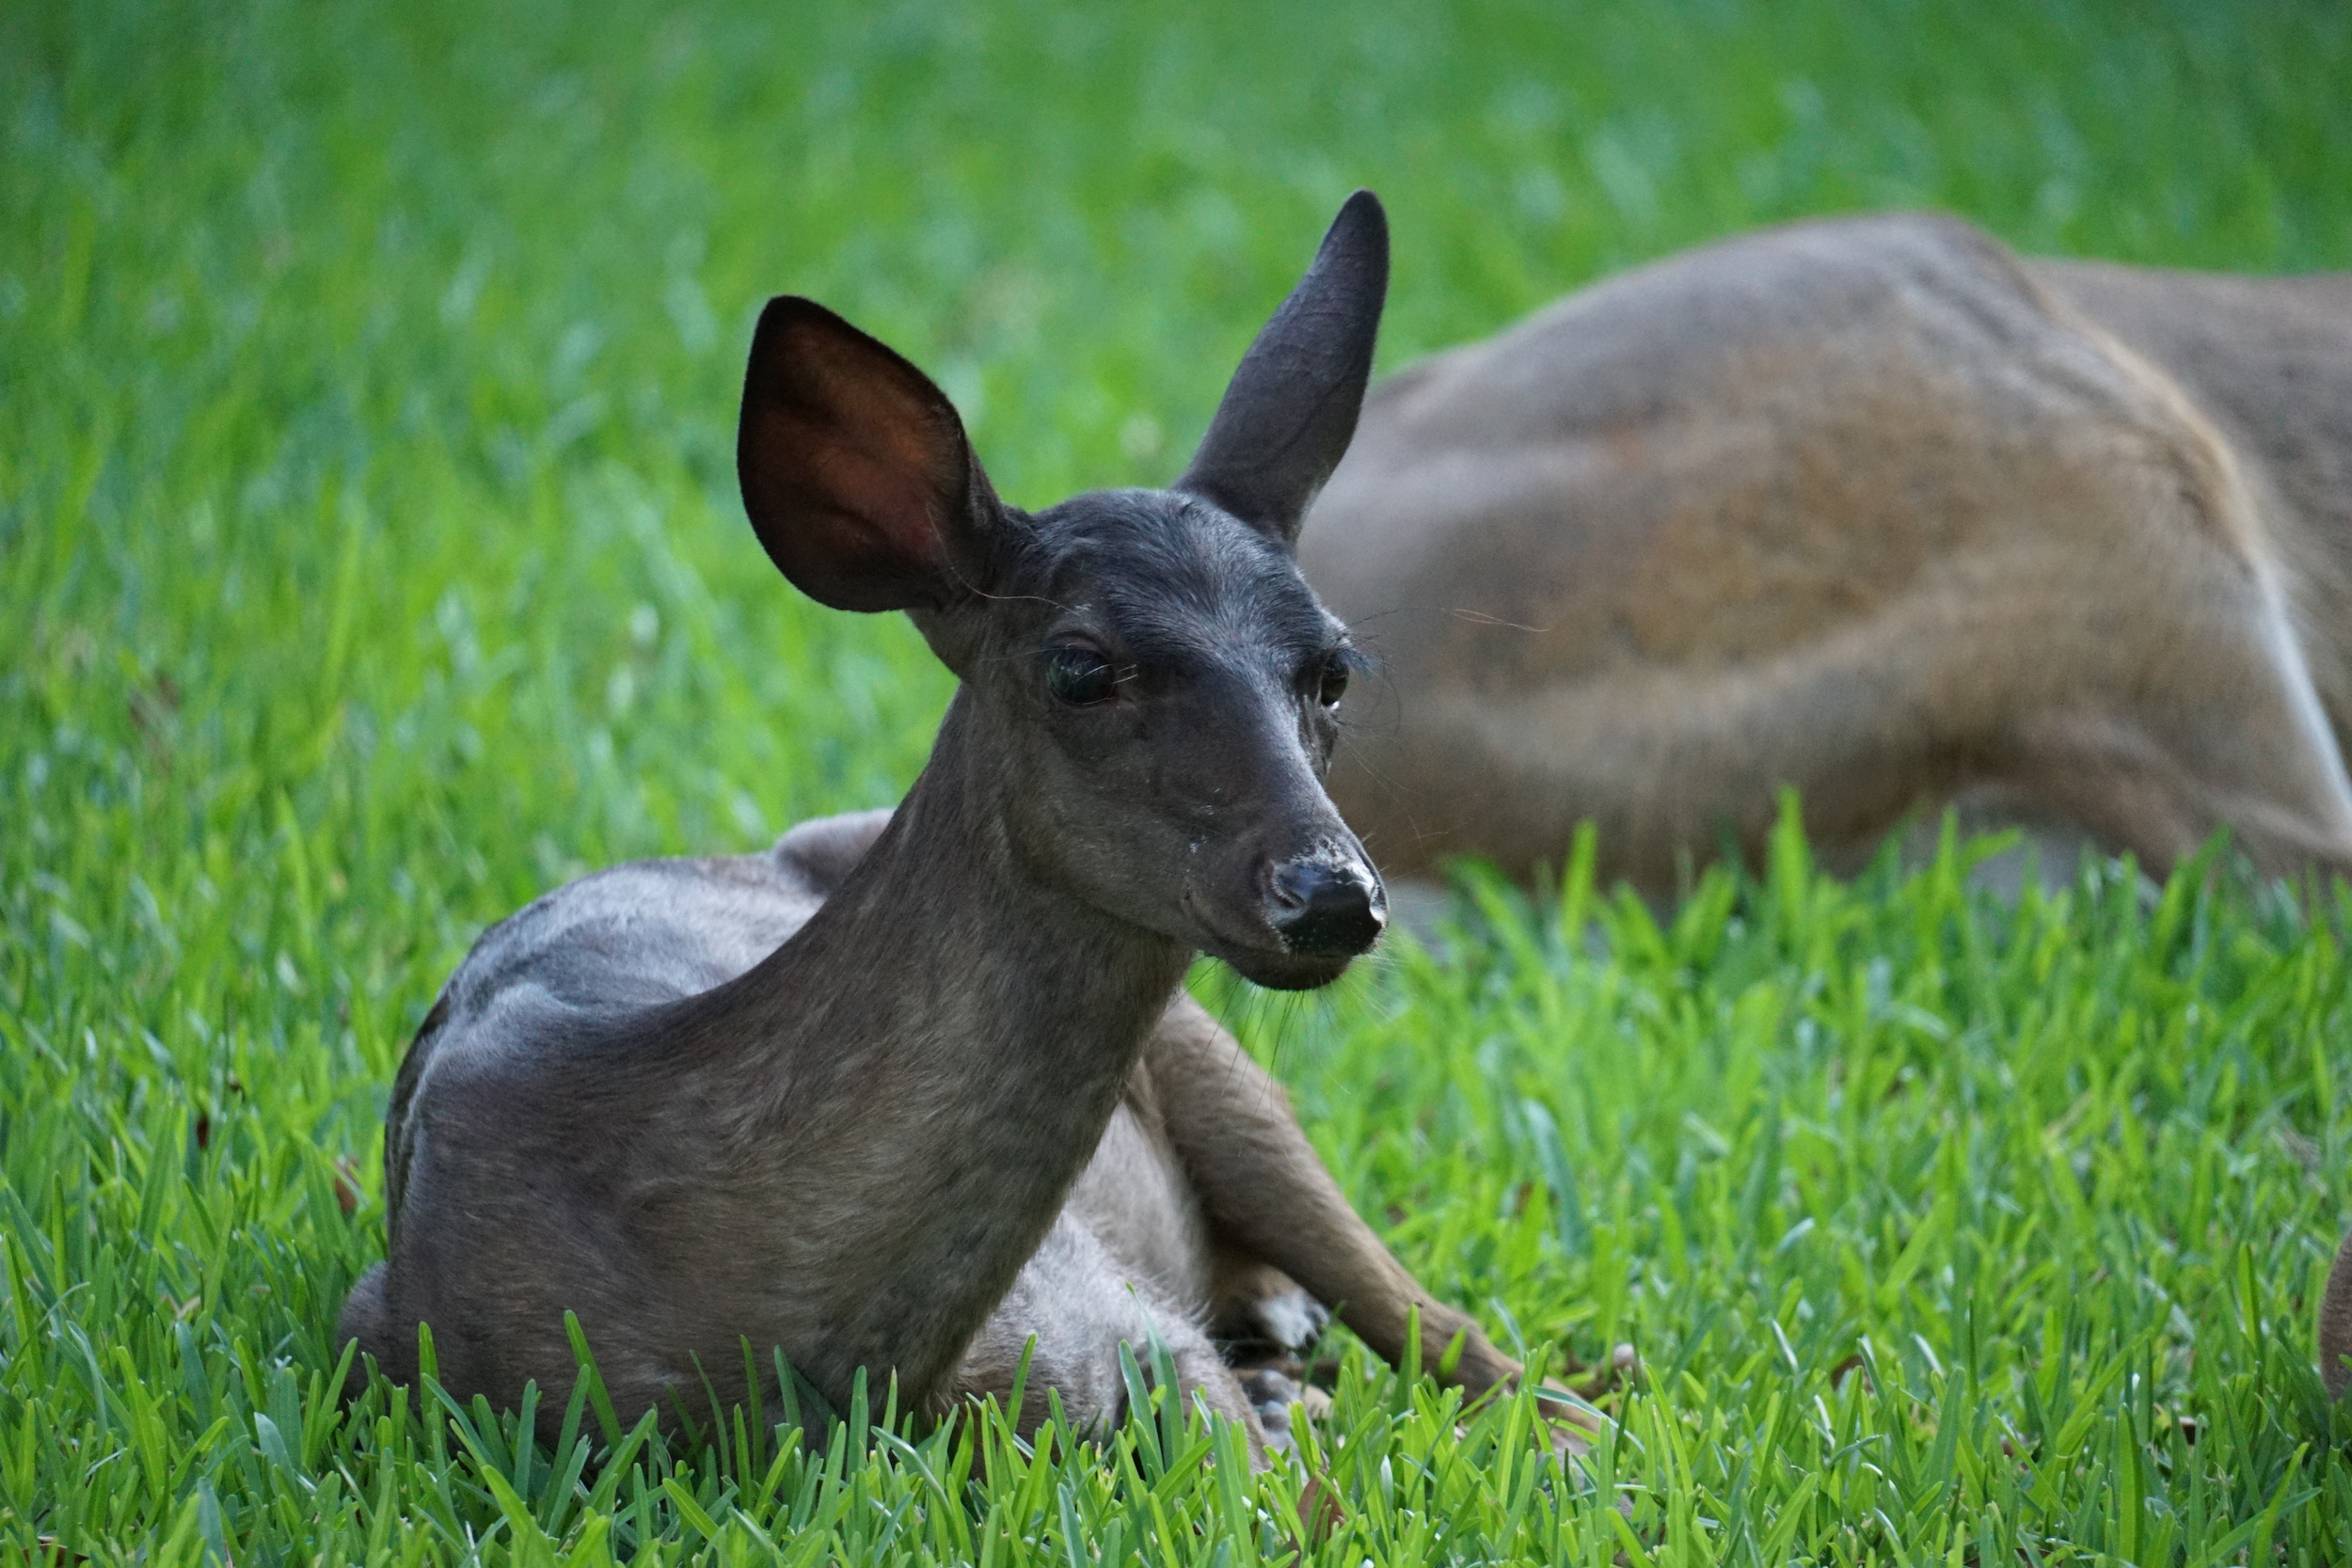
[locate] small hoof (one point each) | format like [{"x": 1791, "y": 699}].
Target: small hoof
[
  {"x": 1271, "y": 1393},
  {"x": 1292, "y": 1320}
]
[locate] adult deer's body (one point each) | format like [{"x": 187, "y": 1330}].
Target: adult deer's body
[
  {"x": 849, "y": 1099},
  {"x": 1872, "y": 509}
]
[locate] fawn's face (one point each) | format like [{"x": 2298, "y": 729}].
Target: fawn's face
[
  {"x": 1166, "y": 691},
  {"x": 1152, "y": 683}
]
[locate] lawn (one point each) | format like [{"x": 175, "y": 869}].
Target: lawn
[{"x": 369, "y": 562}]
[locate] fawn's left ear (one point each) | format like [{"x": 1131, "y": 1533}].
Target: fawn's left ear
[
  {"x": 855, "y": 469},
  {"x": 1290, "y": 411}
]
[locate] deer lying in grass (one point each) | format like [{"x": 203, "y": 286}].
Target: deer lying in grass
[
  {"x": 913, "y": 1086},
  {"x": 1870, "y": 508},
  {"x": 1874, "y": 509}
]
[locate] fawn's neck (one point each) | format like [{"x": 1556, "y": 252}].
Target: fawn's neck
[{"x": 916, "y": 1078}]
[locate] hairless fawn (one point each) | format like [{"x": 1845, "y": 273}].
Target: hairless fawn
[{"x": 915, "y": 1087}]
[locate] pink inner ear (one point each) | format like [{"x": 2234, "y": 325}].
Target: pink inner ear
[
  {"x": 881, "y": 458},
  {"x": 854, "y": 467},
  {"x": 853, "y": 491},
  {"x": 884, "y": 494}
]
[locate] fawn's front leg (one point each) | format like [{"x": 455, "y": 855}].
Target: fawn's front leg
[
  {"x": 1267, "y": 1197},
  {"x": 1080, "y": 1305}
]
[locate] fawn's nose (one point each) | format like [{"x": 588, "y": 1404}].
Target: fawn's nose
[{"x": 1326, "y": 910}]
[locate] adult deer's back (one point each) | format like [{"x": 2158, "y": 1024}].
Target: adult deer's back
[{"x": 1870, "y": 508}]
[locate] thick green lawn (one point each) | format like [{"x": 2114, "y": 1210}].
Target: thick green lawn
[{"x": 369, "y": 562}]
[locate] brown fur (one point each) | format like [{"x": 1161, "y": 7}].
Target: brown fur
[
  {"x": 1873, "y": 509},
  {"x": 2335, "y": 1325}
]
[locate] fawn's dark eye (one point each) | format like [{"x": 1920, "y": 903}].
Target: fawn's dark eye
[
  {"x": 1079, "y": 676},
  {"x": 1331, "y": 681}
]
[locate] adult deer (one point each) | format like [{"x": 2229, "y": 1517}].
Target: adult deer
[
  {"x": 913, "y": 1087},
  {"x": 1874, "y": 509}
]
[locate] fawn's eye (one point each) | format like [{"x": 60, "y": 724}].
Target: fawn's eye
[
  {"x": 1331, "y": 682},
  {"x": 1079, "y": 676}
]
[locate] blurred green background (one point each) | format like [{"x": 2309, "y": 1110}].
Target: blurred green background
[
  {"x": 371, "y": 368},
  {"x": 369, "y": 562}
]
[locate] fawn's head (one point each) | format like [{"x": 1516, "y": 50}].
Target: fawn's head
[{"x": 1155, "y": 684}]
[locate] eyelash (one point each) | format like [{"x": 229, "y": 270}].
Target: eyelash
[
  {"x": 1079, "y": 676},
  {"x": 1331, "y": 679}
]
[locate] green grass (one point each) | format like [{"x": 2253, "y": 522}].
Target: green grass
[{"x": 369, "y": 563}]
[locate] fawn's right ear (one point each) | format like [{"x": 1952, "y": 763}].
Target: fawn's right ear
[
  {"x": 855, "y": 469},
  {"x": 1290, "y": 411}
]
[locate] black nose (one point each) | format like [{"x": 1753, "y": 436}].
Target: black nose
[{"x": 1324, "y": 909}]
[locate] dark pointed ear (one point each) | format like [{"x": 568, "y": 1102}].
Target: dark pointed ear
[
  {"x": 1291, "y": 409},
  {"x": 855, "y": 469}
]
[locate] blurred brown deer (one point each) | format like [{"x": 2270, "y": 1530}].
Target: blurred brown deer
[{"x": 1874, "y": 509}]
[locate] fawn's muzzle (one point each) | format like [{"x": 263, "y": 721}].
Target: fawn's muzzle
[{"x": 1320, "y": 909}]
